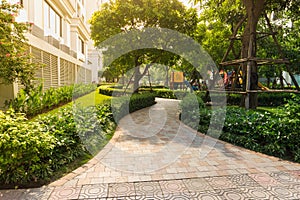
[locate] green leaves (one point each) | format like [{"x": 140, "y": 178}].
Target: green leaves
[
  {"x": 36, "y": 101},
  {"x": 14, "y": 60},
  {"x": 23, "y": 145},
  {"x": 275, "y": 134}
]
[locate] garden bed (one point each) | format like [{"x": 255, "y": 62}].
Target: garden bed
[
  {"x": 274, "y": 133},
  {"x": 39, "y": 150}
]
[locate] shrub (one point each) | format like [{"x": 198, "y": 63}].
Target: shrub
[
  {"x": 190, "y": 106},
  {"x": 32, "y": 150},
  {"x": 122, "y": 106},
  {"x": 36, "y": 101},
  {"x": 94, "y": 126},
  {"x": 275, "y": 134},
  {"x": 25, "y": 148},
  {"x": 112, "y": 90},
  {"x": 165, "y": 93},
  {"x": 264, "y": 99}
]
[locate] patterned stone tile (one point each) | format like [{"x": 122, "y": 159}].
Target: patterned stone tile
[
  {"x": 284, "y": 193},
  {"x": 257, "y": 193},
  {"x": 155, "y": 197},
  {"x": 242, "y": 180},
  {"x": 37, "y": 193},
  {"x": 147, "y": 188},
  {"x": 220, "y": 182},
  {"x": 197, "y": 184},
  {"x": 285, "y": 178},
  {"x": 11, "y": 194},
  {"x": 178, "y": 196},
  {"x": 231, "y": 194},
  {"x": 205, "y": 195},
  {"x": 61, "y": 193},
  {"x": 121, "y": 189},
  {"x": 121, "y": 198},
  {"x": 264, "y": 179},
  {"x": 172, "y": 186},
  {"x": 93, "y": 191}
]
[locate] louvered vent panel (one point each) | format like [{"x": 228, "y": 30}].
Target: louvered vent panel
[
  {"x": 47, "y": 70},
  {"x": 37, "y": 58},
  {"x": 63, "y": 67},
  {"x": 88, "y": 76},
  {"x": 81, "y": 75},
  {"x": 54, "y": 70},
  {"x": 73, "y": 73}
]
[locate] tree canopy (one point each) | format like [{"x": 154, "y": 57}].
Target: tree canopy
[
  {"x": 246, "y": 19},
  {"x": 121, "y": 16},
  {"x": 15, "y": 62}
]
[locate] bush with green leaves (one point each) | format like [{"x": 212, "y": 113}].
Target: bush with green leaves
[
  {"x": 32, "y": 150},
  {"x": 122, "y": 106},
  {"x": 190, "y": 106},
  {"x": 264, "y": 99},
  {"x": 36, "y": 101},
  {"x": 275, "y": 134},
  {"x": 14, "y": 57},
  {"x": 25, "y": 148}
]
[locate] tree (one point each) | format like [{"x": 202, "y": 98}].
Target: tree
[
  {"x": 248, "y": 13},
  {"x": 15, "y": 62},
  {"x": 120, "y": 16}
]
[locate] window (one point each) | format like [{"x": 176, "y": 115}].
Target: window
[
  {"x": 81, "y": 46},
  {"x": 52, "y": 21}
]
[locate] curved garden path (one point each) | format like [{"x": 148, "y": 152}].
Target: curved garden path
[{"x": 154, "y": 156}]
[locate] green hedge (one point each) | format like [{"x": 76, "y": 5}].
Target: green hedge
[
  {"x": 275, "y": 134},
  {"x": 112, "y": 90},
  {"x": 122, "y": 106},
  {"x": 264, "y": 99},
  {"x": 158, "y": 91}
]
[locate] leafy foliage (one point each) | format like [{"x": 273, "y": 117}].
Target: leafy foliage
[
  {"x": 36, "y": 101},
  {"x": 14, "y": 60},
  {"x": 124, "y": 105},
  {"x": 122, "y": 16},
  {"x": 275, "y": 134},
  {"x": 33, "y": 150}
]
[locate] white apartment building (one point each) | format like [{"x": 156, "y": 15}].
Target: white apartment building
[
  {"x": 59, "y": 38},
  {"x": 95, "y": 57}
]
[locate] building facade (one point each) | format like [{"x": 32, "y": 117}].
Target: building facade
[{"x": 59, "y": 38}]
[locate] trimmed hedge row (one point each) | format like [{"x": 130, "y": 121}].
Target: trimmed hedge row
[
  {"x": 264, "y": 99},
  {"x": 112, "y": 90},
  {"x": 122, "y": 106}
]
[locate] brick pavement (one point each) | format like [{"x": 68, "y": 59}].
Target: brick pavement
[{"x": 154, "y": 156}]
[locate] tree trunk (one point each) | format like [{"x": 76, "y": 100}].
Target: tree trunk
[
  {"x": 167, "y": 76},
  {"x": 254, "y": 9},
  {"x": 281, "y": 81},
  {"x": 138, "y": 75}
]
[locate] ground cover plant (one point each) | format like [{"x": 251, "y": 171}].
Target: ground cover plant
[
  {"x": 273, "y": 133},
  {"x": 37, "y": 101}
]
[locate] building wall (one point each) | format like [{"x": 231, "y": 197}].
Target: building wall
[
  {"x": 95, "y": 59},
  {"x": 58, "y": 39}
]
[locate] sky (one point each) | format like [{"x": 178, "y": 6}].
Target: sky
[{"x": 185, "y": 2}]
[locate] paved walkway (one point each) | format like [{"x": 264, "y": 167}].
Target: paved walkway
[{"x": 164, "y": 159}]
